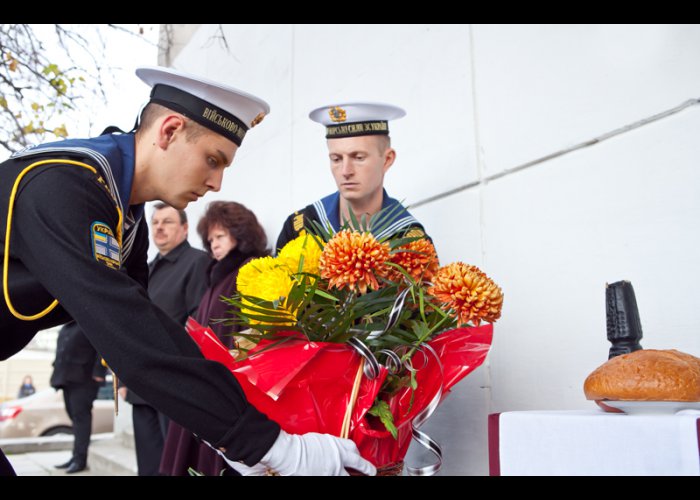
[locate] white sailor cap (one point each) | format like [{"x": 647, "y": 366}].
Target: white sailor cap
[
  {"x": 356, "y": 118},
  {"x": 223, "y": 109}
]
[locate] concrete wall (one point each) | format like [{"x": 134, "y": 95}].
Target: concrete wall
[{"x": 514, "y": 122}]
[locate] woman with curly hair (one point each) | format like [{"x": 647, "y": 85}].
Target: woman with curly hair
[{"x": 232, "y": 235}]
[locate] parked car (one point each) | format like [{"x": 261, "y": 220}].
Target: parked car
[{"x": 44, "y": 414}]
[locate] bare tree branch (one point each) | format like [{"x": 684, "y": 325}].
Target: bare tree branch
[{"x": 38, "y": 87}]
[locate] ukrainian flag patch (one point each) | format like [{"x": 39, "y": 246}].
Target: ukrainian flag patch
[{"x": 105, "y": 247}]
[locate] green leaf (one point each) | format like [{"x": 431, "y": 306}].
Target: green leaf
[
  {"x": 354, "y": 223},
  {"x": 421, "y": 304},
  {"x": 51, "y": 68},
  {"x": 414, "y": 382},
  {"x": 384, "y": 218},
  {"x": 383, "y": 412},
  {"x": 398, "y": 242},
  {"x": 326, "y": 295},
  {"x": 420, "y": 329}
]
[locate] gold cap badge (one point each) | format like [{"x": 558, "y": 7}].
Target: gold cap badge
[
  {"x": 337, "y": 114},
  {"x": 257, "y": 119}
]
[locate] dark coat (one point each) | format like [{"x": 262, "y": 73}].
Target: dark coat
[
  {"x": 222, "y": 277},
  {"x": 176, "y": 282},
  {"x": 76, "y": 361}
]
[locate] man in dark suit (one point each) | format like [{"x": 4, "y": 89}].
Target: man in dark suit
[
  {"x": 78, "y": 370},
  {"x": 176, "y": 283}
]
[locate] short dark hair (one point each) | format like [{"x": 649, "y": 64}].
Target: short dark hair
[
  {"x": 241, "y": 223},
  {"x": 160, "y": 206},
  {"x": 152, "y": 111}
]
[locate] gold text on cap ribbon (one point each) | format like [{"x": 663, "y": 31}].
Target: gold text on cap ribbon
[
  {"x": 213, "y": 116},
  {"x": 357, "y": 128}
]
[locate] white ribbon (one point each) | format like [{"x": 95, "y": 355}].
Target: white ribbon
[{"x": 392, "y": 364}]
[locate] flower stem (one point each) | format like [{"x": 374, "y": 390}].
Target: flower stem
[{"x": 425, "y": 337}]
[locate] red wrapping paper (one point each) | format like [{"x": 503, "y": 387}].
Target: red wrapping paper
[{"x": 306, "y": 386}]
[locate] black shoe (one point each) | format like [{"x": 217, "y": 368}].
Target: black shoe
[
  {"x": 76, "y": 467},
  {"x": 66, "y": 465}
]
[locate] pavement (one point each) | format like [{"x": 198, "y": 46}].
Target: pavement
[
  {"x": 41, "y": 463},
  {"x": 107, "y": 456}
]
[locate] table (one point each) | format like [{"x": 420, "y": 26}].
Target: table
[{"x": 592, "y": 442}]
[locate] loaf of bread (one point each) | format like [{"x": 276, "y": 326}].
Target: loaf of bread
[{"x": 646, "y": 375}]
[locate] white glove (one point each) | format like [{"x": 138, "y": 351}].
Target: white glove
[
  {"x": 314, "y": 454},
  {"x": 310, "y": 454}
]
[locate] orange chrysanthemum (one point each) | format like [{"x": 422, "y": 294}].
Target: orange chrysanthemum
[
  {"x": 354, "y": 260},
  {"x": 469, "y": 292},
  {"x": 419, "y": 260}
]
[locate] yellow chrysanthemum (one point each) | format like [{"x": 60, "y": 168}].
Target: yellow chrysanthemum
[
  {"x": 467, "y": 290},
  {"x": 265, "y": 279},
  {"x": 354, "y": 260},
  {"x": 419, "y": 260},
  {"x": 305, "y": 245}
]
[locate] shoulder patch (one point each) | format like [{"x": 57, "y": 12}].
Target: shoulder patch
[
  {"x": 415, "y": 233},
  {"x": 298, "y": 222},
  {"x": 105, "y": 247}
]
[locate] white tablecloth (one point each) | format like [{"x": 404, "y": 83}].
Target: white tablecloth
[{"x": 598, "y": 443}]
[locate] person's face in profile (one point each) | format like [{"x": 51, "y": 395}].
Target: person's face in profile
[
  {"x": 190, "y": 166},
  {"x": 220, "y": 241}
]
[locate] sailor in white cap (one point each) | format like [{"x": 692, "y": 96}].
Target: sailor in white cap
[
  {"x": 360, "y": 152},
  {"x": 74, "y": 245}
]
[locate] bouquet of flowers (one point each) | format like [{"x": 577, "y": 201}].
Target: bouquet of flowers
[{"x": 357, "y": 336}]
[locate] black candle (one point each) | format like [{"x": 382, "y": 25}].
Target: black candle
[{"x": 624, "y": 326}]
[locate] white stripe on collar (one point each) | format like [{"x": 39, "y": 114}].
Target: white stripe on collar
[
  {"x": 396, "y": 226},
  {"x": 323, "y": 217},
  {"x": 98, "y": 157},
  {"x": 129, "y": 224}
]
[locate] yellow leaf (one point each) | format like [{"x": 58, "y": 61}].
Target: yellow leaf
[{"x": 60, "y": 131}]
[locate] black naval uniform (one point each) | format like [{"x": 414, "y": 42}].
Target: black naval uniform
[
  {"x": 176, "y": 283},
  {"x": 65, "y": 226},
  {"x": 326, "y": 211}
]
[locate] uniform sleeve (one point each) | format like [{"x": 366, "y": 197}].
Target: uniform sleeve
[
  {"x": 287, "y": 234},
  {"x": 153, "y": 354}
]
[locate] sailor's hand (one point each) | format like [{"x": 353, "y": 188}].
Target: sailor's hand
[{"x": 314, "y": 454}]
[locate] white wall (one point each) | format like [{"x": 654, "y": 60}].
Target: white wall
[{"x": 482, "y": 100}]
